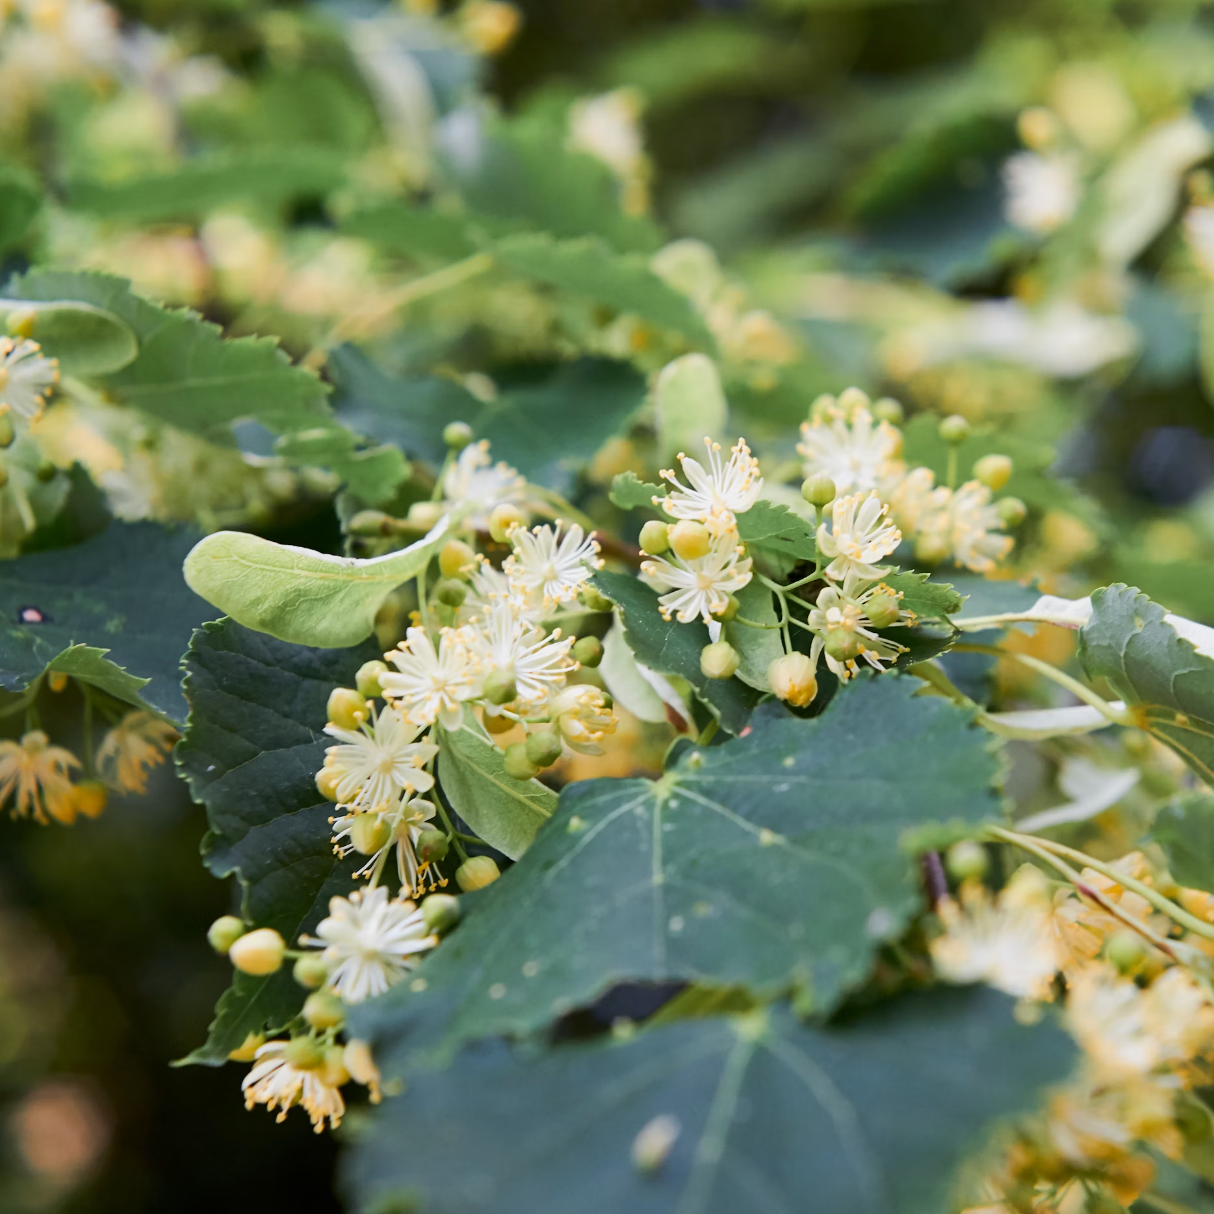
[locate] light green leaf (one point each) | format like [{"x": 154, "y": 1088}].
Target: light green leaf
[
  {"x": 625, "y": 681},
  {"x": 412, "y": 230},
  {"x": 86, "y": 340},
  {"x": 757, "y": 647},
  {"x": 927, "y": 599},
  {"x": 630, "y": 493},
  {"x": 252, "y": 747},
  {"x": 503, "y": 811},
  {"x": 20, "y": 204},
  {"x": 764, "y": 1112},
  {"x": 775, "y": 528},
  {"x": 1184, "y": 828},
  {"x": 689, "y": 406},
  {"x": 373, "y": 473},
  {"x": 771, "y": 860},
  {"x": 296, "y": 595}
]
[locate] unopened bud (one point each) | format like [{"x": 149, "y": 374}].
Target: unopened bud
[
  {"x": 543, "y": 747},
  {"x": 361, "y": 1065},
  {"x": 367, "y": 679},
  {"x": 967, "y": 860},
  {"x": 45, "y": 471},
  {"x": 954, "y": 429},
  {"x": 476, "y": 873},
  {"x": 224, "y": 932},
  {"x": 369, "y": 833},
  {"x": 327, "y": 780},
  {"x": 20, "y": 322},
  {"x": 246, "y": 1051},
  {"x": 588, "y": 651},
  {"x": 7, "y": 433},
  {"x": 333, "y": 1072},
  {"x": 504, "y": 519},
  {"x": 432, "y": 845},
  {"x": 324, "y": 1010},
  {"x": 57, "y": 681},
  {"x": 310, "y": 972},
  {"x": 451, "y": 592},
  {"x": 89, "y": 798},
  {"x": 690, "y": 540},
  {"x": 346, "y": 708},
  {"x": 259, "y": 952},
  {"x": 793, "y": 679},
  {"x": 994, "y": 471},
  {"x": 719, "y": 660},
  {"x": 818, "y": 490},
  {"x": 932, "y": 549},
  {"x": 305, "y": 1054},
  {"x": 499, "y": 723},
  {"x": 500, "y": 687},
  {"x": 457, "y": 435},
  {"x": 423, "y": 516},
  {"x": 593, "y": 600},
  {"x": 440, "y": 913},
  {"x": 1037, "y": 127},
  {"x": 1012, "y": 511},
  {"x": 655, "y": 537},
  {"x": 851, "y": 399},
  {"x": 517, "y": 763},
  {"x": 888, "y": 410},
  {"x": 882, "y": 610},
  {"x": 456, "y": 560},
  {"x": 1125, "y": 950},
  {"x": 371, "y": 523},
  {"x": 842, "y": 644}
]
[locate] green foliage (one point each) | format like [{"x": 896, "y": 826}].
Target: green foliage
[
  {"x": 85, "y": 339},
  {"x": 1184, "y": 828},
  {"x": 413, "y": 231},
  {"x": 772, "y": 528},
  {"x": 757, "y": 647},
  {"x": 764, "y": 1110},
  {"x": 629, "y": 493},
  {"x": 689, "y": 406},
  {"x": 20, "y": 205},
  {"x": 927, "y": 599},
  {"x": 764, "y": 862},
  {"x": 250, "y": 754}
]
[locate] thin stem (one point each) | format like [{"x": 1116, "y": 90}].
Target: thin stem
[
  {"x": 813, "y": 577},
  {"x": 739, "y": 619},
  {"x": 459, "y": 834},
  {"x": 952, "y": 466},
  {"x": 452, "y": 833},
  {"x": 27, "y": 698},
  {"x": 708, "y": 732},
  {"x": 378, "y": 870},
  {"x": 933, "y": 674},
  {"x": 87, "y": 748},
  {"x": 436, "y": 494}
]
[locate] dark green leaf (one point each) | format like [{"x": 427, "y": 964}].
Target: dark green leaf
[
  {"x": 777, "y": 529},
  {"x": 374, "y": 473},
  {"x": 1184, "y": 828},
  {"x": 757, "y": 647},
  {"x": 629, "y": 493}
]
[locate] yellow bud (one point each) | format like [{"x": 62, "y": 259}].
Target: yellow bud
[
  {"x": 259, "y": 952},
  {"x": 1037, "y": 127},
  {"x": 457, "y": 560},
  {"x": 690, "y": 540},
  {"x": 368, "y": 833},
  {"x": 333, "y": 1071},
  {"x": 362, "y": 1068},
  {"x": 57, "y": 681},
  {"x": 851, "y": 399},
  {"x": 324, "y": 1010},
  {"x": 954, "y": 429},
  {"x": 224, "y": 932},
  {"x": 327, "y": 780},
  {"x": 367, "y": 679},
  {"x": 719, "y": 660},
  {"x": 1198, "y": 902},
  {"x": 504, "y": 519},
  {"x": 310, "y": 972},
  {"x": 994, "y": 471},
  {"x": 423, "y": 516},
  {"x": 490, "y": 25},
  {"x": 475, "y": 874},
  {"x": 655, "y": 537},
  {"x": 21, "y": 322},
  {"x": 347, "y": 709},
  {"x": 793, "y": 679},
  {"x": 89, "y": 797},
  {"x": 247, "y": 1050},
  {"x": 305, "y": 1054}
]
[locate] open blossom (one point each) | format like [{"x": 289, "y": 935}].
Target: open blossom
[
  {"x": 139, "y": 742},
  {"x": 475, "y": 481},
  {"x": 859, "y": 535},
  {"x": 538, "y": 661},
  {"x": 405, "y": 821},
  {"x": 1042, "y": 191},
  {"x": 37, "y": 773},
  {"x": 719, "y": 492},
  {"x": 915, "y": 501},
  {"x": 582, "y": 716},
  {"x": 548, "y": 567},
  {"x": 1199, "y": 232},
  {"x": 430, "y": 684},
  {"x": 381, "y": 761},
  {"x": 974, "y": 529},
  {"x": 277, "y": 1084},
  {"x": 856, "y": 454},
  {"x": 838, "y": 611},
  {"x": 26, "y": 377},
  {"x": 701, "y": 587}
]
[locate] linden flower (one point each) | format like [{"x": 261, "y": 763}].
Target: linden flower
[
  {"x": 405, "y": 823},
  {"x": 973, "y": 529},
  {"x": 915, "y": 502},
  {"x": 717, "y": 494},
  {"x": 859, "y": 535},
  {"x": 582, "y": 716},
  {"x": 277, "y": 1084},
  {"x": 370, "y": 943},
  {"x": 505, "y": 640},
  {"x": 1042, "y": 191},
  {"x": 139, "y": 742},
  {"x": 857, "y": 456},
  {"x": 699, "y": 587},
  {"x": 379, "y": 762},
  {"x": 430, "y": 684},
  {"x": 26, "y": 377},
  {"x": 473, "y": 481},
  {"x": 549, "y": 567},
  {"x": 837, "y": 610},
  {"x": 38, "y": 773},
  {"x": 1199, "y": 232}
]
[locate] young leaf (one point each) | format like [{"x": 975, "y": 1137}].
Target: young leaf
[
  {"x": 85, "y": 339},
  {"x": 252, "y": 747},
  {"x": 777, "y": 529},
  {"x": 761, "y": 1112},
  {"x": 673, "y": 648},
  {"x": 773, "y": 859},
  {"x": 296, "y": 595},
  {"x": 112, "y": 611},
  {"x": 689, "y": 406},
  {"x": 629, "y": 493},
  {"x": 757, "y": 647},
  {"x": 927, "y": 599},
  {"x": 1184, "y": 828},
  {"x": 503, "y": 811}
]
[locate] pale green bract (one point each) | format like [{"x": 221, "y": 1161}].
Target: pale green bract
[
  {"x": 689, "y": 405},
  {"x": 86, "y": 340}
]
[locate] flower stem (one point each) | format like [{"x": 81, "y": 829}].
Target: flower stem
[
  {"x": 739, "y": 619},
  {"x": 452, "y": 833},
  {"x": 708, "y": 732},
  {"x": 87, "y": 746},
  {"x": 30, "y": 694}
]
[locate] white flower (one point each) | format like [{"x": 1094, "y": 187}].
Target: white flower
[
  {"x": 405, "y": 822},
  {"x": 504, "y": 640},
  {"x": 379, "y": 762},
  {"x": 370, "y": 943},
  {"x": 1199, "y": 232},
  {"x": 473, "y": 481},
  {"x": 717, "y": 494},
  {"x": 607, "y": 128},
  {"x": 915, "y": 502},
  {"x": 838, "y": 610},
  {"x": 855, "y": 454},
  {"x": 1042, "y": 191},
  {"x": 699, "y": 587},
  {"x": 431, "y": 684},
  {"x": 277, "y": 1084},
  {"x": 859, "y": 535},
  {"x": 26, "y": 377},
  {"x": 549, "y": 568},
  {"x": 582, "y": 716},
  {"x": 974, "y": 526}
]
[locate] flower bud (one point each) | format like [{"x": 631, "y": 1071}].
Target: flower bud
[
  {"x": 7, "y": 433},
  {"x": 719, "y": 660},
  {"x": 1011, "y": 510},
  {"x": 57, "y": 681},
  {"x": 690, "y": 540},
  {"x": 499, "y": 724},
  {"x": 818, "y": 490},
  {"x": 994, "y": 471},
  {"x": 517, "y": 764},
  {"x": 543, "y": 747},
  {"x": 362, "y": 1068},
  {"x": 888, "y": 410},
  {"x": 1125, "y": 950},
  {"x": 89, "y": 798},
  {"x": 20, "y": 322},
  {"x": 347, "y": 709},
  {"x": 499, "y": 687},
  {"x": 842, "y": 644},
  {"x": 371, "y": 523},
  {"x": 441, "y": 913},
  {"x": 594, "y": 600},
  {"x": 793, "y": 680},
  {"x": 588, "y": 651},
  {"x": 246, "y": 1051},
  {"x": 655, "y": 537},
  {"x": 44, "y": 472},
  {"x": 333, "y": 1072},
  {"x": 305, "y": 1053},
  {"x": 259, "y": 952},
  {"x": 1037, "y": 127},
  {"x": 954, "y": 429},
  {"x": 932, "y": 549},
  {"x": 224, "y": 932},
  {"x": 490, "y": 25},
  {"x": 367, "y": 679},
  {"x": 456, "y": 560},
  {"x": 311, "y": 971},
  {"x": 432, "y": 845},
  {"x": 967, "y": 860},
  {"x": 504, "y": 519},
  {"x": 475, "y": 874},
  {"x": 451, "y": 592},
  {"x": 327, "y": 780},
  {"x": 368, "y": 833},
  {"x": 457, "y": 435},
  {"x": 324, "y": 1010},
  {"x": 423, "y": 516},
  {"x": 882, "y": 609}
]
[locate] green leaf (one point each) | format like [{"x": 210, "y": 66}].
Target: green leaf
[
  {"x": 505, "y": 812},
  {"x": 673, "y": 648},
  {"x": 757, "y": 647},
  {"x": 1184, "y": 828},
  {"x": 296, "y": 595},
  {"x": 769, "y": 1114},
  {"x": 1147, "y": 663},
  {"x": 689, "y": 406},
  {"x": 630, "y": 493},
  {"x": 114, "y": 612},
  {"x": 622, "y": 281},
  {"x": 927, "y": 599},
  {"x": 414, "y": 231},
  {"x": 85, "y": 339},
  {"x": 374, "y": 473},
  {"x": 772, "y": 860},
  {"x": 252, "y": 747},
  {"x": 777, "y": 529},
  {"x": 20, "y": 205}
]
